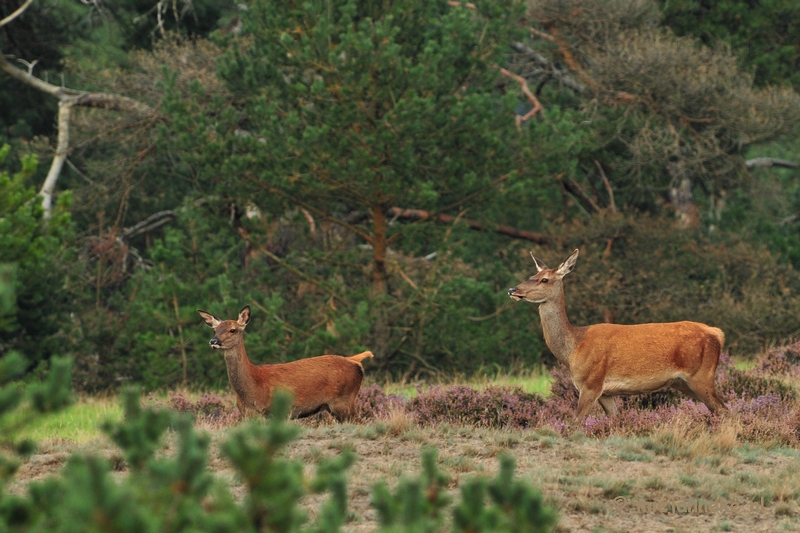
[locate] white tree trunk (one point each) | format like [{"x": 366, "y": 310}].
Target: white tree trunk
[{"x": 62, "y": 148}]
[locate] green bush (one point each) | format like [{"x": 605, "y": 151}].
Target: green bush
[
  {"x": 19, "y": 404},
  {"x": 36, "y": 251}
]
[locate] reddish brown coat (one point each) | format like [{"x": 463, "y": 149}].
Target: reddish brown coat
[
  {"x": 326, "y": 382},
  {"x": 607, "y": 360}
]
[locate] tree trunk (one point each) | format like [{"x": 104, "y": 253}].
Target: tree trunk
[
  {"x": 682, "y": 200},
  {"x": 381, "y": 334},
  {"x": 379, "y": 285}
]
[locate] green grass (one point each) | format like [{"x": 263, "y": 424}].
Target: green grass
[
  {"x": 534, "y": 381},
  {"x": 77, "y": 423},
  {"x": 744, "y": 364},
  {"x": 80, "y": 422}
]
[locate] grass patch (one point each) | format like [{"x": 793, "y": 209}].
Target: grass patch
[
  {"x": 744, "y": 364},
  {"x": 77, "y": 423},
  {"x": 535, "y": 381}
]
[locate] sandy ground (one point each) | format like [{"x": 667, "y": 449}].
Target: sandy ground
[{"x": 613, "y": 484}]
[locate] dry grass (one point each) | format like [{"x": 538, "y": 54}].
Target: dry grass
[
  {"x": 620, "y": 483},
  {"x": 398, "y": 421}
]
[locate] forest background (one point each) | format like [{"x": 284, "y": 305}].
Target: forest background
[{"x": 373, "y": 175}]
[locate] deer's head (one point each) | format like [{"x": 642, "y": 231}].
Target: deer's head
[
  {"x": 227, "y": 333},
  {"x": 546, "y": 284}
]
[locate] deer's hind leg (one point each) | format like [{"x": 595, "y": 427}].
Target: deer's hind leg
[
  {"x": 698, "y": 390},
  {"x": 608, "y": 404},
  {"x": 344, "y": 409}
]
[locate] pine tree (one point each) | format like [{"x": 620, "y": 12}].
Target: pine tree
[{"x": 351, "y": 108}]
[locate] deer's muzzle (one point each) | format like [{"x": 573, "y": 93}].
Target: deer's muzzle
[{"x": 215, "y": 343}]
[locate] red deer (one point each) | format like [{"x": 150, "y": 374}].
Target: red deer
[
  {"x": 327, "y": 382},
  {"x": 607, "y": 360}
]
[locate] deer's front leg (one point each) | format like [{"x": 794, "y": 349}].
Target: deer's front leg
[{"x": 585, "y": 402}]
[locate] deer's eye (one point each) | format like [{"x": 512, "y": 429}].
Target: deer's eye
[
  {"x": 545, "y": 280},
  {"x": 233, "y": 330}
]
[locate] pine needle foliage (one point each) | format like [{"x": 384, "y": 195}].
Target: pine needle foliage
[
  {"x": 19, "y": 404},
  {"x": 177, "y": 492}
]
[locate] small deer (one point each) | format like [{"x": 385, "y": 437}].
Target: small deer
[
  {"x": 607, "y": 360},
  {"x": 327, "y": 382}
]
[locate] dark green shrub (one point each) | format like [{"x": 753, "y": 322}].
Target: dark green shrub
[
  {"x": 36, "y": 250},
  {"x": 19, "y": 404}
]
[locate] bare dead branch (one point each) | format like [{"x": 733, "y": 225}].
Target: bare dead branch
[
  {"x": 24, "y": 77},
  {"x": 112, "y": 102},
  {"x": 421, "y": 215},
  {"x": 542, "y": 34},
  {"x": 468, "y": 5},
  {"x": 611, "y": 203},
  {"x": 537, "y": 106},
  {"x": 768, "y": 162},
  {"x": 156, "y": 220},
  {"x": 576, "y": 190},
  {"x": 67, "y": 98},
  {"x": 364, "y": 235},
  {"x": 312, "y": 225},
  {"x": 29, "y": 66},
  {"x": 16, "y": 13},
  {"x": 564, "y": 50},
  {"x": 62, "y": 148}
]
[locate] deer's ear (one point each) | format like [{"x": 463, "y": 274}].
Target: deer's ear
[
  {"x": 244, "y": 316},
  {"x": 538, "y": 262},
  {"x": 210, "y": 319},
  {"x": 567, "y": 266}
]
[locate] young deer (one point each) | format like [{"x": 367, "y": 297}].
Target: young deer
[
  {"x": 329, "y": 382},
  {"x": 607, "y": 360}
]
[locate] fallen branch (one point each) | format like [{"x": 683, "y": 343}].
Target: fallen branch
[
  {"x": 419, "y": 214},
  {"x": 768, "y": 162}
]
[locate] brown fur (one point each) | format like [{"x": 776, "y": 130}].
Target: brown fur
[
  {"x": 607, "y": 360},
  {"x": 326, "y": 382}
]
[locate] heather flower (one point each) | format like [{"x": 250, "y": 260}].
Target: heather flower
[{"x": 372, "y": 402}]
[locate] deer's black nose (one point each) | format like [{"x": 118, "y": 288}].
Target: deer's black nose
[
  {"x": 214, "y": 342},
  {"x": 511, "y": 290}
]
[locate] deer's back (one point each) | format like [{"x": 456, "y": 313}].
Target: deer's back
[
  {"x": 311, "y": 380},
  {"x": 643, "y": 349}
]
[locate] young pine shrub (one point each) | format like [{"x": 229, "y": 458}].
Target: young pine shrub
[{"x": 513, "y": 505}]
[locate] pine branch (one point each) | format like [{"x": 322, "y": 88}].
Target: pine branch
[
  {"x": 421, "y": 215},
  {"x": 768, "y": 162}
]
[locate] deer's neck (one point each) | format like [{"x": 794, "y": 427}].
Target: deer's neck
[
  {"x": 240, "y": 371},
  {"x": 560, "y": 334}
]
